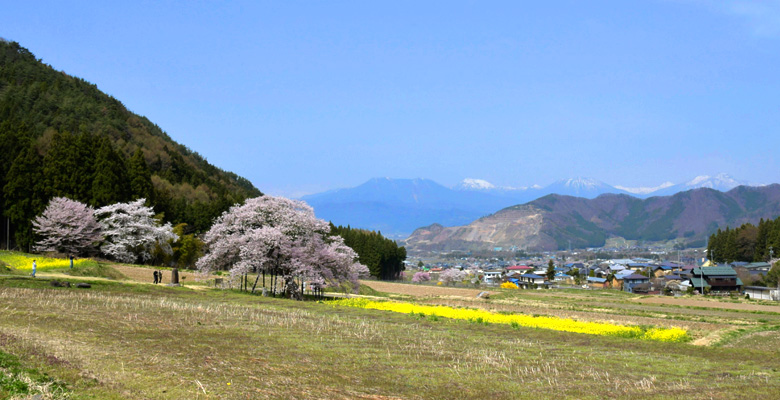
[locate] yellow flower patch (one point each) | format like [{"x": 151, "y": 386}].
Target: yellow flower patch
[
  {"x": 23, "y": 261},
  {"x": 554, "y": 323},
  {"x": 508, "y": 285}
]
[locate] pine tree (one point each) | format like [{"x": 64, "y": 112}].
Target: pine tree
[
  {"x": 110, "y": 184},
  {"x": 550, "y": 270},
  {"x": 24, "y": 194},
  {"x": 731, "y": 245},
  {"x": 61, "y": 167},
  {"x": 760, "y": 252},
  {"x": 140, "y": 177}
]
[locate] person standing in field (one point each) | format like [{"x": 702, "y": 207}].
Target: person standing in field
[
  {"x": 156, "y": 277},
  {"x": 35, "y": 266},
  {"x": 71, "y": 261}
]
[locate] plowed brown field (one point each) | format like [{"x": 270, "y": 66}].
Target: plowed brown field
[{"x": 420, "y": 290}]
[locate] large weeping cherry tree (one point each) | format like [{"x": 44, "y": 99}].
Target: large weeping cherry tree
[
  {"x": 279, "y": 239},
  {"x": 67, "y": 226}
]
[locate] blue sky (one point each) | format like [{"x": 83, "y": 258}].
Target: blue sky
[{"x": 300, "y": 97}]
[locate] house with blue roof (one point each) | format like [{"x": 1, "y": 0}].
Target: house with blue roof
[
  {"x": 532, "y": 278},
  {"x": 633, "y": 280},
  {"x": 563, "y": 278},
  {"x": 597, "y": 282}
]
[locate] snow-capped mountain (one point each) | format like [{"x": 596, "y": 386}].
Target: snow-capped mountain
[
  {"x": 474, "y": 184},
  {"x": 398, "y": 206},
  {"x": 721, "y": 182},
  {"x": 581, "y": 187},
  {"x": 578, "y": 187}
]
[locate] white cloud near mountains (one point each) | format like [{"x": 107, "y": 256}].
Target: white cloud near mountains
[{"x": 645, "y": 190}]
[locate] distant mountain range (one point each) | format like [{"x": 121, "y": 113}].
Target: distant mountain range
[
  {"x": 554, "y": 221},
  {"x": 591, "y": 188},
  {"x": 399, "y": 206}
]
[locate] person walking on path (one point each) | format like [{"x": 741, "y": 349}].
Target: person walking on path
[
  {"x": 156, "y": 277},
  {"x": 35, "y": 266}
]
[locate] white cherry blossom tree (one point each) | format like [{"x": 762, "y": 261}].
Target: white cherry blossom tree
[
  {"x": 131, "y": 231},
  {"x": 451, "y": 276}
]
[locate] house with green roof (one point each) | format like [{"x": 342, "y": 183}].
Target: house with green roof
[{"x": 716, "y": 279}]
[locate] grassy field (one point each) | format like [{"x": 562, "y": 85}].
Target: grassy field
[{"x": 122, "y": 339}]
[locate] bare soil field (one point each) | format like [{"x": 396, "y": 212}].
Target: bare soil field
[
  {"x": 708, "y": 304},
  {"x": 421, "y": 290}
]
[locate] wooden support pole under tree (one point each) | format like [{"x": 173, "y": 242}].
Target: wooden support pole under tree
[{"x": 256, "y": 279}]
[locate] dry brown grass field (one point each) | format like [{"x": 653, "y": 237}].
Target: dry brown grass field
[{"x": 123, "y": 340}]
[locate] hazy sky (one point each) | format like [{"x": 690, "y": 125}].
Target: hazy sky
[{"x": 301, "y": 97}]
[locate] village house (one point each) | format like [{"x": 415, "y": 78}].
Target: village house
[
  {"x": 599, "y": 283},
  {"x": 716, "y": 279},
  {"x": 532, "y": 278},
  {"x": 518, "y": 268},
  {"x": 491, "y": 277},
  {"x": 564, "y": 278},
  {"x": 630, "y": 281}
]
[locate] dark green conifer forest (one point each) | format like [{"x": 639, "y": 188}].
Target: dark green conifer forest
[
  {"x": 61, "y": 136},
  {"x": 746, "y": 242},
  {"x": 382, "y": 256}
]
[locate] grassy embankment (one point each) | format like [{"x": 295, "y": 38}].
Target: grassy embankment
[{"x": 118, "y": 340}]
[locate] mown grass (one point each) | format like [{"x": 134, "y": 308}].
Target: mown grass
[
  {"x": 95, "y": 270},
  {"x": 118, "y": 340},
  {"x": 18, "y": 381}
]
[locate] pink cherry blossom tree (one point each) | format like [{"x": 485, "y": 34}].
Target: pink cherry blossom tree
[
  {"x": 280, "y": 238},
  {"x": 131, "y": 232},
  {"x": 67, "y": 226},
  {"x": 451, "y": 276},
  {"x": 420, "y": 277}
]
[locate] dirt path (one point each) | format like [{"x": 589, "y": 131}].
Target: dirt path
[
  {"x": 144, "y": 275},
  {"x": 135, "y": 275},
  {"x": 708, "y": 304},
  {"x": 420, "y": 290}
]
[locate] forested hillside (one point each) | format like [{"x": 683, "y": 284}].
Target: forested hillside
[
  {"x": 61, "y": 136},
  {"x": 382, "y": 256}
]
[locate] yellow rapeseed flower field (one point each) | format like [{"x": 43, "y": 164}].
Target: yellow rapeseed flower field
[
  {"x": 23, "y": 261},
  {"x": 543, "y": 322}
]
